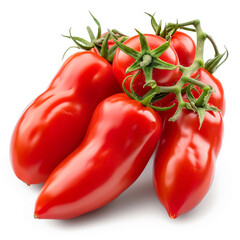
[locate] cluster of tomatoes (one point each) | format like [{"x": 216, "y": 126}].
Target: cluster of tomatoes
[{"x": 88, "y": 141}]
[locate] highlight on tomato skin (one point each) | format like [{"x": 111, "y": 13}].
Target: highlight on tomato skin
[
  {"x": 56, "y": 122},
  {"x": 185, "y": 48},
  {"x": 185, "y": 160},
  {"x": 119, "y": 142},
  {"x": 88, "y": 142}
]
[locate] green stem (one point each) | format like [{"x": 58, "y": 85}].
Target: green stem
[
  {"x": 213, "y": 44},
  {"x": 146, "y": 60},
  {"x": 201, "y": 100},
  {"x": 194, "y": 82},
  {"x": 188, "y": 71}
]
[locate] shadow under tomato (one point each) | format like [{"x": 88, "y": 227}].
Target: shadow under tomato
[{"x": 140, "y": 198}]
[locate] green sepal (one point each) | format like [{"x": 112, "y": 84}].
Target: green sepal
[
  {"x": 148, "y": 74},
  {"x": 129, "y": 51},
  {"x": 99, "y": 26},
  {"x": 177, "y": 113},
  {"x": 159, "y": 64},
  {"x": 157, "y": 52},
  {"x": 213, "y": 64},
  {"x": 104, "y": 49},
  {"x": 86, "y": 45},
  {"x": 190, "y": 97},
  {"x": 131, "y": 86},
  {"x": 135, "y": 66},
  {"x": 68, "y": 50},
  {"x": 154, "y": 24},
  {"x": 91, "y": 34},
  {"x": 78, "y": 39},
  {"x": 150, "y": 83},
  {"x": 212, "y": 108},
  {"x": 112, "y": 50},
  {"x": 143, "y": 42},
  {"x": 201, "y": 114},
  {"x": 147, "y": 59},
  {"x": 161, "y": 109},
  {"x": 131, "y": 95},
  {"x": 156, "y": 27}
]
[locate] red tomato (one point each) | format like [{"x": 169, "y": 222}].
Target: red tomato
[
  {"x": 121, "y": 138},
  {"x": 185, "y": 160},
  {"x": 56, "y": 122},
  {"x": 122, "y": 61},
  {"x": 185, "y": 48}
]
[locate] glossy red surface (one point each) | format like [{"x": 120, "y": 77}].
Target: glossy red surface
[
  {"x": 185, "y": 160},
  {"x": 184, "y": 47},
  {"x": 56, "y": 122},
  {"x": 120, "y": 140}
]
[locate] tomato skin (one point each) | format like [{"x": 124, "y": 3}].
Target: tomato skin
[
  {"x": 185, "y": 48},
  {"x": 217, "y": 98},
  {"x": 56, "y": 122},
  {"x": 185, "y": 160},
  {"x": 122, "y": 61},
  {"x": 121, "y": 138}
]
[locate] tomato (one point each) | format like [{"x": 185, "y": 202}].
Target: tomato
[
  {"x": 185, "y": 159},
  {"x": 185, "y": 48},
  {"x": 56, "y": 122},
  {"x": 121, "y": 138},
  {"x": 217, "y": 98},
  {"x": 162, "y": 77}
]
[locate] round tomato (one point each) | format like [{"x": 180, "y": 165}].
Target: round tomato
[{"x": 162, "y": 77}]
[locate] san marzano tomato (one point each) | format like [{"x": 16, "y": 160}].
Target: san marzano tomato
[
  {"x": 121, "y": 138},
  {"x": 185, "y": 160},
  {"x": 56, "y": 122}
]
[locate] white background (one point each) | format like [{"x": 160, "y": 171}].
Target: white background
[{"x": 30, "y": 55}]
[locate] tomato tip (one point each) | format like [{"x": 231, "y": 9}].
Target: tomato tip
[
  {"x": 172, "y": 216},
  {"x": 35, "y": 216}
]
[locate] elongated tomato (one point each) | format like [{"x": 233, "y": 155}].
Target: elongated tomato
[
  {"x": 185, "y": 160},
  {"x": 56, "y": 122},
  {"x": 120, "y": 140}
]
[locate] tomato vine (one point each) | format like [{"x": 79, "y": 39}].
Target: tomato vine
[{"x": 147, "y": 60}]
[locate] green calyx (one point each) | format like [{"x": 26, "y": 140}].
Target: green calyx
[
  {"x": 210, "y": 65},
  {"x": 99, "y": 42},
  {"x": 213, "y": 64},
  {"x": 200, "y": 105},
  {"x": 147, "y": 59}
]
